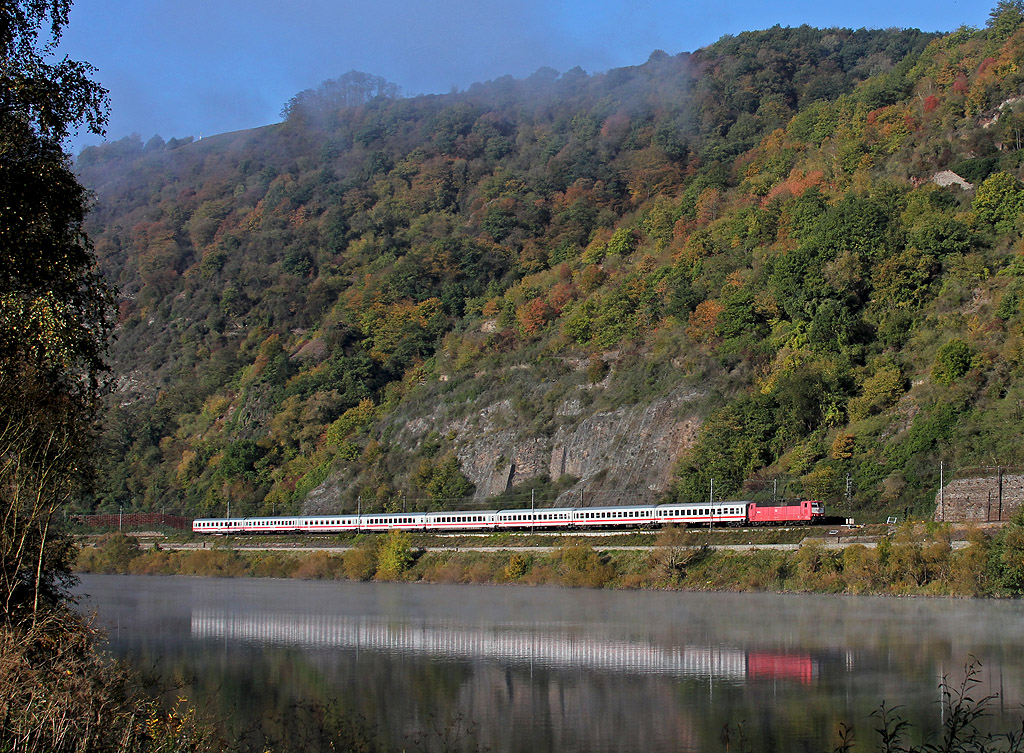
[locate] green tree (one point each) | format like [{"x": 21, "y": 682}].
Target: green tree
[
  {"x": 734, "y": 441},
  {"x": 622, "y": 242},
  {"x": 395, "y": 555},
  {"x": 999, "y": 201},
  {"x": 878, "y": 392},
  {"x": 1005, "y": 18},
  {"x": 952, "y": 361},
  {"x": 53, "y": 306},
  {"x": 580, "y": 566},
  {"x": 51, "y": 98},
  {"x": 1005, "y": 565},
  {"x": 443, "y": 479}
]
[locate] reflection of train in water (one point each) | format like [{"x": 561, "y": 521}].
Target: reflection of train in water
[
  {"x": 540, "y": 519},
  {"x": 508, "y": 644}
]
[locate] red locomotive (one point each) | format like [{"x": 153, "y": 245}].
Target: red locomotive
[{"x": 808, "y": 511}]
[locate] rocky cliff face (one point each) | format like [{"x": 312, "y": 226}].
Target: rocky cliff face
[
  {"x": 631, "y": 448},
  {"x": 596, "y": 441}
]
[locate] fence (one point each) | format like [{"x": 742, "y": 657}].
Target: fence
[{"x": 134, "y": 520}]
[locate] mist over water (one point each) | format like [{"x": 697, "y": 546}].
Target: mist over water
[{"x": 555, "y": 669}]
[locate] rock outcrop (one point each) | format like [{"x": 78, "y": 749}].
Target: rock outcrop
[
  {"x": 624, "y": 455},
  {"x": 946, "y": 178}
]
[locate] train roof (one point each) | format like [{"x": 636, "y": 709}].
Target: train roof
[
  {"x": 461, "y": 512},
  {"x": 539, "y": 509},
  {"x": 719, "y": 503}
]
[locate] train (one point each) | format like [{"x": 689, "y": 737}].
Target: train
[{"x": 530, "y": 519}]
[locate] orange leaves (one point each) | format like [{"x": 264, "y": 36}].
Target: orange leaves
[
  {"x": 492, "y": 308},
  {"x": 591, "y": 278},
  {"x": 145, "y": 234},
  {"x": 797, "y": 183},
  {"x": 649, "y": 172},
  {"x": 576, "y": 192},
  {"x": 561, "y": 294},
  {"x": 709, "y": 205},
  {"x": 890, "y": 126},
  {"x": 615, "y": 128},
  {"x": 704, "y": 320},
  {"x": 158, "y": 254},
  {"x": 299, "y": 216},
  {"x": 842, "y": 447},
  {"x": 534, "y": 315}
]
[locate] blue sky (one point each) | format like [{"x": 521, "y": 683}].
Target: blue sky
[{"x": 200, "y": 67}]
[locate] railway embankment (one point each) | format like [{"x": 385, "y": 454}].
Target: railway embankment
[{"x": 911, "y": 559}]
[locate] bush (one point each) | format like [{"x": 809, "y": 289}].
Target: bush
[
  {"x": 579, "y": 566},
  {"x": 952, "y": 362},
  {"x": 818, "y": 567},
  {"x": 967, "y": 575},
  {"x": 213, "y": 562},
  {"x": 767, "y": 570},
  {"x": 273, "y": 565},
  {"x": 441, "y": 567},
  {"x": 861, "y": 570},
  {"x": 481, "y": 569},
  {"x": 394, "y": 556},
  {"x": 671, "y": 555},
  {"x": 113, "y": 553},
  {"x": 318, "y": 566},
  {"x": 361, "y": 563},
  {"x": 918, "y": 555},
  {"x": 154, "y": 562},
  {"x": 1005, "y": 565},
  {"x": 517, "y": 566}
]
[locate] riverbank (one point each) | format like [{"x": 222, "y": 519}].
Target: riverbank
[{"x": 913, "y": 559}]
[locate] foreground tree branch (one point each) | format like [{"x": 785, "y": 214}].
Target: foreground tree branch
[{"x": 54, "y": 307}]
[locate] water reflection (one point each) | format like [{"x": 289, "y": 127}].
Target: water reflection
[
  {"x": 511, "y": 646},
  {"x": 554, "y": 670}
]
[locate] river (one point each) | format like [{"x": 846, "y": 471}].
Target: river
[{"x": 511, "y": 669}]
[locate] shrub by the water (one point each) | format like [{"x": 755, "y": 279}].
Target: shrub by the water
[
  {"x": 394, "y": 556},
  {"x": 517, "y": 566},
  {"x": 361, "y": 563},
  {"x": 579, "y": 565},
  {"x": 318, "y": 566}
]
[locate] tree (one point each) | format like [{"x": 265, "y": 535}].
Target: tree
[
  {"x": 349, "y": 90},
  {"x": 1005, "y": 18},
  {"x": 999, "y": 201},
  {"x": 50, "y": 98},
  {"x": 54, "y": 308},
  {"x": 443, "y": 479},
  {"x": 952, "y": 361},
  {"x": 879, "y": 391},
  {"x": 394, "y": 557}
]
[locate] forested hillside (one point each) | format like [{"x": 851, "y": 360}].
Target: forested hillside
[{"x": 729, "y": 265}]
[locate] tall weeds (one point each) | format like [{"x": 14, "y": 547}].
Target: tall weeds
[{"x": 59, "y": 694}]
